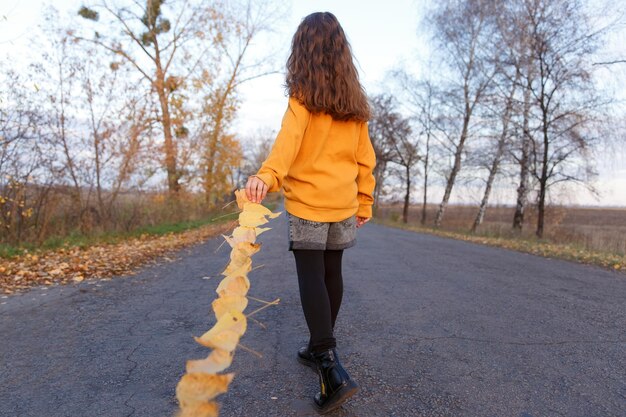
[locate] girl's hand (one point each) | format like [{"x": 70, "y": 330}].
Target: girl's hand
[
  {"x": 360, "y": 221},
  {"x": 256, "y": 190}
]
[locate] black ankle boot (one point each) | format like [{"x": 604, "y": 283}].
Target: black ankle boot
[
  {"x": 335, "y": 383},
  {"x": 305, "y": 357}
]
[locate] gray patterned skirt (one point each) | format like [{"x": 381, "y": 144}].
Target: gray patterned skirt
[{"x": 309, "y": 234}]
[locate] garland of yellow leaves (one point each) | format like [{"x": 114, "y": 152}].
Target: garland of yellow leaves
[{"x": 203, "y": 382}]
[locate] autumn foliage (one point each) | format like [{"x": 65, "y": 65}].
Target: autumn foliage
[
  {"x": 75, "y": 264},
  {"x": 203, "y": 380}
]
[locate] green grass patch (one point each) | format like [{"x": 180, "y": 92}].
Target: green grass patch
[
  {"x": 541, "y": 247},
  {"x": 8, "y": 251}
]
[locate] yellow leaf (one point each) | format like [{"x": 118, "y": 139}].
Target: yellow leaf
[
  {"x": 244, "y": 234},
  {"x": 210, "y": 409},
  {"x": 260, "y": 209},
  {"x": 251, "y": 219},
  {"x": 217, "y": 361},
  {"x": 233, "y": 285},
  {"x": 235, "y": 268},
  {"x": 241, "y": 234},
  {"x": 225, "y": 333},
  {"x": 197, "y": 388},
  {"x": 228, "y": 303},
  {"x": 259, "y": 230},
  {"x": 241, "y": 198},
  {"x": 248, "y": 248},
  {"x": 238, "y": 258}
]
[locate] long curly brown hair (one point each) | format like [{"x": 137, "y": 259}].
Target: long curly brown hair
[{"x": 321, "y": 72}]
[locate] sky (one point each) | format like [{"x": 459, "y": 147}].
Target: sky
[{"x": 381, "y": 38}]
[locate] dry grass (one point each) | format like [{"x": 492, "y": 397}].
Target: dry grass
[
  {"x": 589, "y": 235},
  {"x": 54, "y": 215}
]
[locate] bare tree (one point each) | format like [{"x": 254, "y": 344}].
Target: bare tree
[
  {"x": 562, "y": 92},
  {"x": 164, "y": 52},
  {"x": 524, "y": 159},
  {"x": 383, "y": 147},
  {"x": 463, "y": 28},
  {"x": 117, "y": 118},
  {"x": 422, "y": 100},
  {"x": 496, "y": 157},
  {"x": 501, "y": 103},
  {"x": 515, "y": 35},
  {"x": 20, "y": 157},
  {"x": 249, "y": 20},
  {"x": 392, "y": 132}
]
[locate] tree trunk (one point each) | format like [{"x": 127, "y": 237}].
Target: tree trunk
[
  {"x": 423, "y": 219},
  {"x": 169, "y": 147},
  {"x": 493, "y": 170},
  {"x": 492, "y": 175},
  {"x": 407, "y": 195},
  {"x": 380, "y": 173},
  {"x": 522, "y": 189},
  {"x": 455, "y": 169},
  {"x": 211, "y": 150},
  {"x": 543, "y": 181}
]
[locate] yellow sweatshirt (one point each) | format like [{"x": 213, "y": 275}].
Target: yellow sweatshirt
[{"x": 323, "y": 165}]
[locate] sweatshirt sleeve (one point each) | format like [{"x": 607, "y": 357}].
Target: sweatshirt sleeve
[
  {"x": 366, "y": 158},
  {"x": 285, "y": 147}
]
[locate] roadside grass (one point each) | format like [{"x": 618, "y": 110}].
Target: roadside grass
[
  {"x": 82, "y": 241},
  {"x": 541, "y": 247}
]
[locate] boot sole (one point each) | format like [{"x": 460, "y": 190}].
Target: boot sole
[{"x": 339, "y": 398}]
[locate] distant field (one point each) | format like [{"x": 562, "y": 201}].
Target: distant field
[{"x": 595, "y": 229}]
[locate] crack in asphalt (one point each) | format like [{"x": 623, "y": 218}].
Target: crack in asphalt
[
  {"x": 130, "y": 371},
  {"x": 128, "y": 374},
  {"x": 132, "y": 409}
]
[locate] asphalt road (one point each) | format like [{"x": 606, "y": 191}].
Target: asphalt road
[{"x": 429, "y": 327}]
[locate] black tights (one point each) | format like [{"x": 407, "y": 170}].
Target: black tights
[{"x": 321, "y": 291}]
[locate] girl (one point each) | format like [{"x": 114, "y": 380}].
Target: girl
[{"x": 323, "y": 160}]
